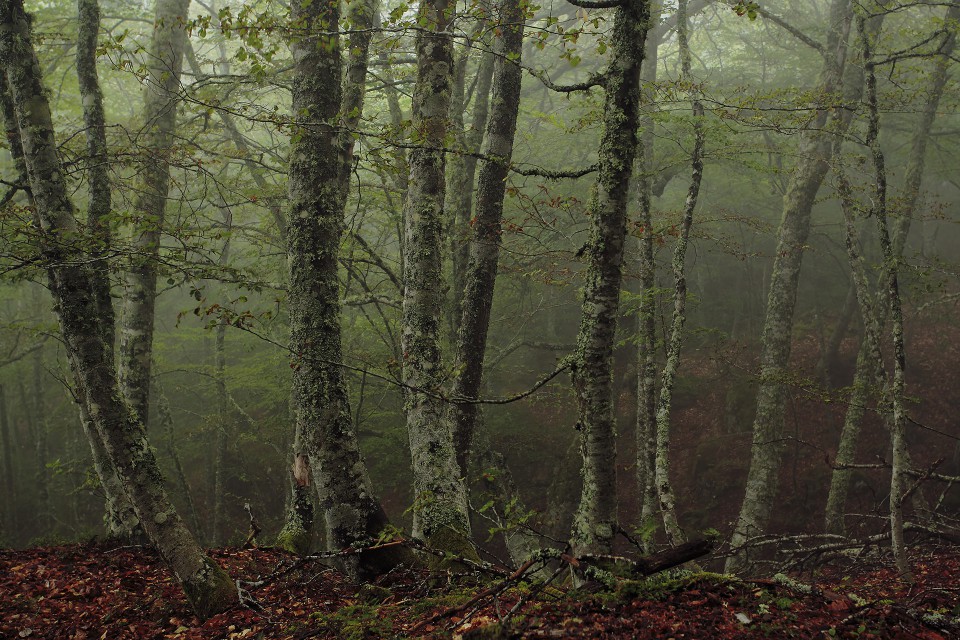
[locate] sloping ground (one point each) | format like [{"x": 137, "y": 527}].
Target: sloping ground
[{"x": 96, "y": 591}]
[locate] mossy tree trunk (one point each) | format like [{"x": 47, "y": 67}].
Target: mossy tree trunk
[
  {"x": 120, "y": 518},
  {"x": 900, "y": 461},
  {"x": 161, "y": 97},
  {"x": 665, "y": 493},
  {"x": 317, "y": 190},
  {"x": 814, "y": 152},
  {"x": 480, "y": 276},
  {"x": 73, "y": 285},
  {"x": 867, "y": 366},
  {"x": 461, "y": 174},
  {"x": 646, "y": 313},
  {"x": 596, "y": 519},
  {"x": 440, "y": 499},
  {"x": 477, "y": 277}
]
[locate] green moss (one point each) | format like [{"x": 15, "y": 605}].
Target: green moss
[
  {"x": 356, "y": 622},
  {"x": 455, "y": 544},
  {"x": 210, "y": 591},
  {"x": 660, "y": 586},
  {"x": 372, "y": 594},
  {"x": 294, "y": 539},
  {"x": 450, "y": 599}
]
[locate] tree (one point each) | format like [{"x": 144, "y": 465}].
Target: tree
[
  {"x": 440, "y": 498},
  {"x": 596, "y": 517},
  {"x": 662, "y": 456},
  {"x": 319, "y": 168},
  {"x": 161, "y": 97},
  {"x": 74, "y": 285},
  {"x": 867, "y": 364},
  {"x": 814, "y": 150},
  {"x": 120, "y": 517}
]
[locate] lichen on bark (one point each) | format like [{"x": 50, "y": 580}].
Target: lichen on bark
[
  {"x": 73, "y": 284},
  {"x": 596, "y": 518}
]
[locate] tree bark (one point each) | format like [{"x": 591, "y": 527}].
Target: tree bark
[
  {"x": 646, "y": 312},
  {"x": 161, "y": 96},
  {"x": 867, "y": 365},
  {"x": 71, "y": 281},
  {"x": 460, "y": 177},
  {"x": 900, "y": 462},
  {"x": 479, "y": 279},
  {"x": 440, "y": 499},
  {"x": 120, "y": 518},
  {"x": 596, "y": 517},
  {"x": 815, "y": 145},
  {"x": 8, "y": 527},
  {"x": 352, "y": 513},
  {"x": 41, "y": 480},
  {"x": 662, "y": 463}
]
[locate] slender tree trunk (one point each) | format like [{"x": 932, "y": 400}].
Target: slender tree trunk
[
  {"x": 662, "y": 464},
  {"x": 120, "y": 519},
  {"x": 900, "y": 462},
  {"x": 165, "y": 415},
  {"x": 815, "y": 145},
  {"x": 223, "y": 411},
  {"x": 352, "y": 513},
  {"x": 831, "y": 351},
  {"x": 41, "y": 450},
  {"x": 167, "y": 46},
  {"x": 71, "y": 281},
  {"x": 440, "y": 509},
  {"x": 646, "y": 313},
  {"x": 484, "y": 250},
  {"x": 867, "y": 365},
  {"x": 460, "y": 175},
  {"x": 478, "y": 279},
  {"x": 596, "y": 518},
  {"x": 220, "y": 446}
]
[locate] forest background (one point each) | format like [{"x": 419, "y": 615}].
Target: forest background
[{"x": 766, "y": 135}]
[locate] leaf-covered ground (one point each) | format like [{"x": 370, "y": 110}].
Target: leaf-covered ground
[{"x": 97, "y": 591}]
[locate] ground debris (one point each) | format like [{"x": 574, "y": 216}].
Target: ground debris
[{"x": 92, "y": 591}]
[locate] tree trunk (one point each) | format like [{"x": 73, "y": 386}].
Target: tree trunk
[
  {"x": 44, "y": 514},
  {"x": 596, "y": 517},
  {"x": 815, "y": 145},
  {"x": 167, "y": 46},
  {"x": 120, "y": 519},
  {"x": 866, "y": 368},
  {"x": 221, "y": 439},
  {"x": 352, "y": 513},
  {"x": 440, "y": 498},
  {"x": 662, "y": 463},
  {"x": 646, "y": 313},
  {"x": 71, "y": 281},
  {"x": 460, "y": 175},
  {"x": 900, "y": 462},
  {"x": 8, "y": 527},
  {"x": 484, "y": 249},
  {"x": 165, "y": 415}
]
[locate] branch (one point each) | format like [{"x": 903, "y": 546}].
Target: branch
[
  {"x": 595, "y": 80},
  {"x": 554, "y": 175},
  {"x": 596, "y": 4},
  {"x": 378, "y": 260},
  {"x": 792, "y": 30}
]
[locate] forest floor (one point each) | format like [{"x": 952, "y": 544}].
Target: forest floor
[{"x": 87, "y": 591}]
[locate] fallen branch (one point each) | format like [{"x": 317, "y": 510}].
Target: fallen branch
[{"x": 492, "y": 590}]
